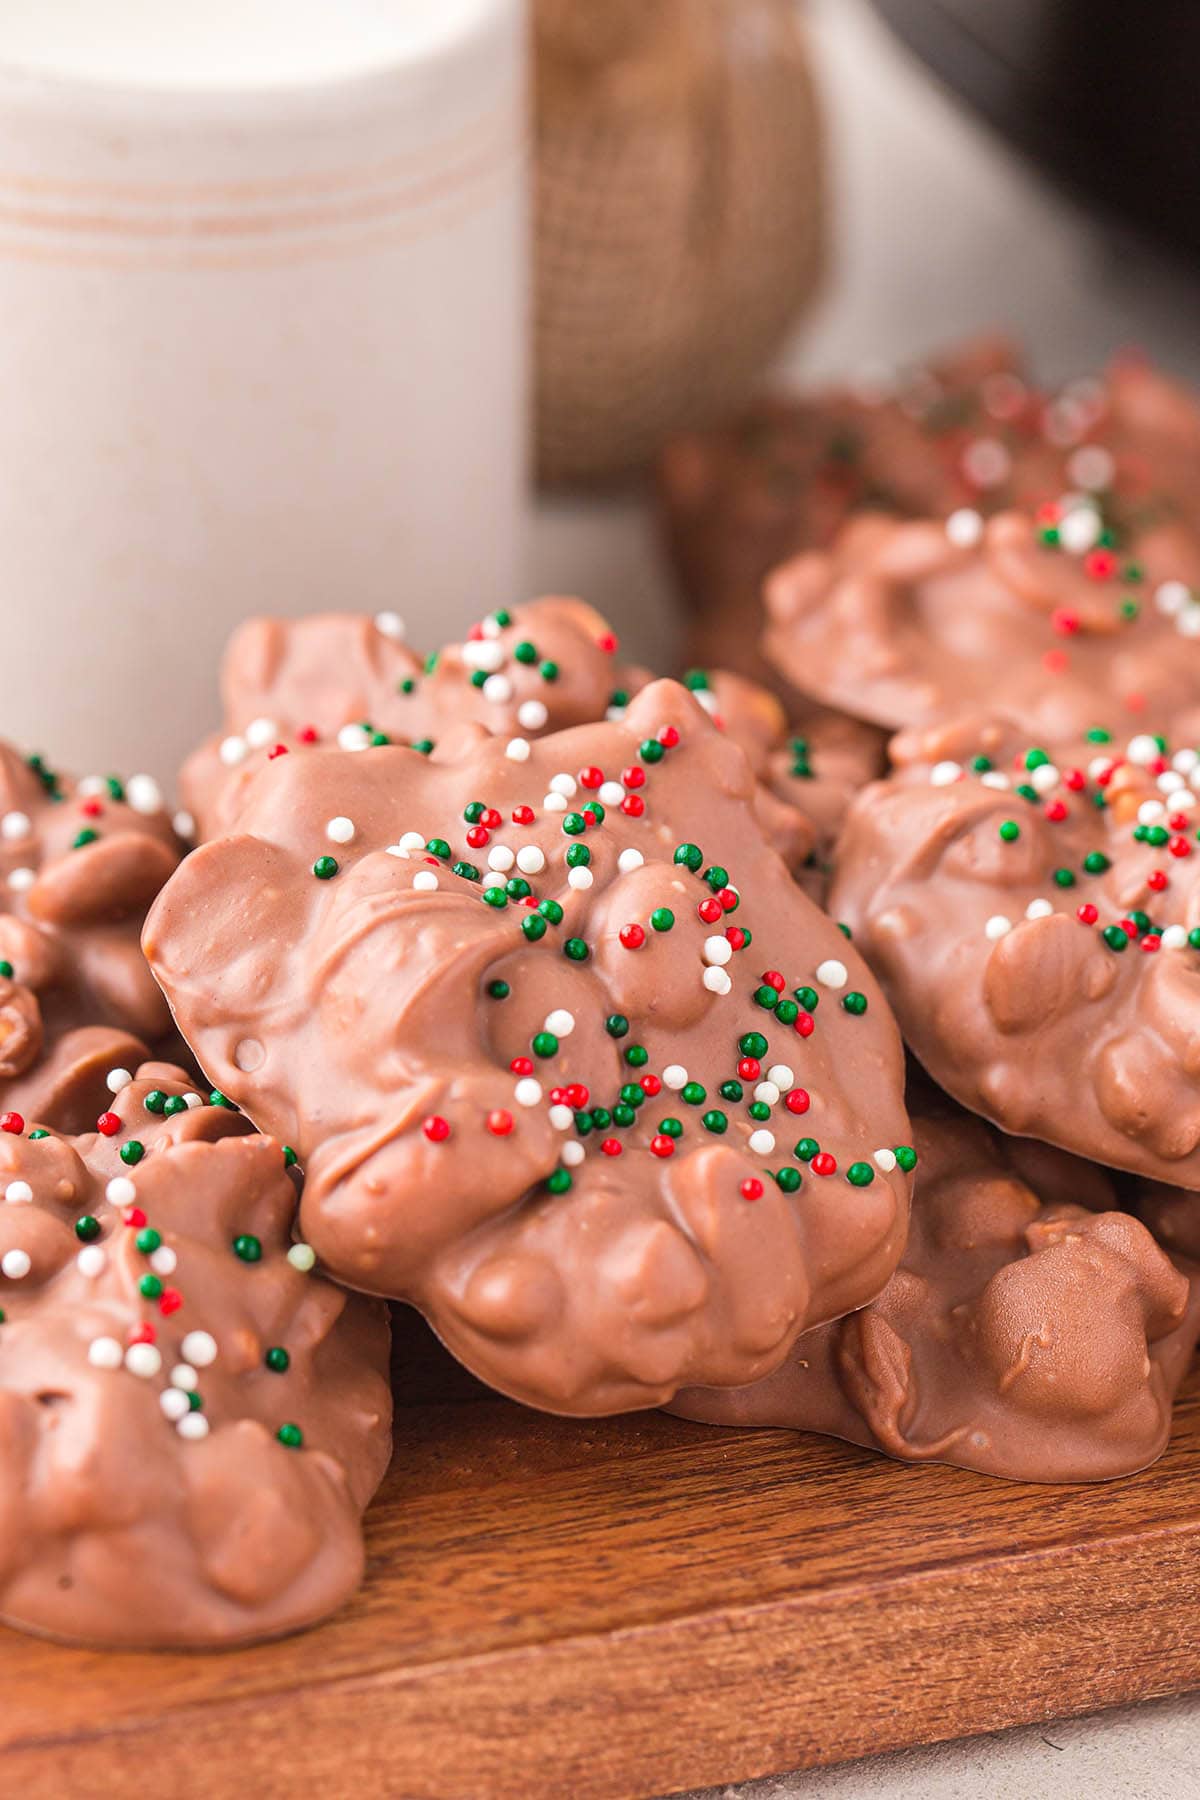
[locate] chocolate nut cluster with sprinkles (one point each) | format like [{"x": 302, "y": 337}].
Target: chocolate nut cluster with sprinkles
[
  {"x": 191, "y": 1420},
  {"x": 352, "y": 680},
  {"x": 968, "y": 432},
  {"x": 1045, "y": 616},
  {"x": 1035, "y": 921},
  {"x": 570, "y": 1061},
  {"x": 1033, "y": 1330},
  {"x": 80, "y": 861}
]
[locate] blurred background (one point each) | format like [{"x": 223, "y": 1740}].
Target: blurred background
[{"x": 391, "y": 305}]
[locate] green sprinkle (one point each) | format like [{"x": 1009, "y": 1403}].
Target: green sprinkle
[
  {"x": 1193, "y": 943},
  {"x": 291, "y": 1435},
  {"x": 616, "y": 1025},
  {"x": 502, "y": 617},
  {"x": 534, "y": 927},
  {"x": 1010, "y": 831},
  {"x": 517, "y": 888},
  {"x": 576, "y": 949},
  {"x": 623, "y": 1114},
  {"x": 714, "y": 1121},
  {"x": 422, "y": 745},
  {"x": 83, "y": 838},
  {"x": 525, "y": 652},
  {"x": 980, "y": 764},
  {"x": 148, "y": 1240},
  {"x": 766, "y": 996},
  {"x": 174, "y": 1105},
  {"x": 690, "y": 856},
  {"x": 662, "y": 918},
  {"x": 6, "y": 969},
  {"x": 155, "y": 1101},
  {"x": 277, "y": 1360},
  {"x": 716, "y": 877},
  {"x": 495, "y": 896},
  {"x": 1097, "y": 735},
  {"x": 150, "y": 1287},
  {"x": 1095, "y": 862},
  {"x": 759, "y": 1110},
  {"x": 1036, "y": 759},
  {"x": 787, "y": 1012},
  {"x": 695, "y": 679},
  {"x": 574, "y": 824},
  {"x": 808, "y": 998},
  {"x": 860, "y": 1174},
  {"x": 806, "y": 1149},
  {"x": 551, "y": 910},
  {"x": 87, "y": 1228},
  {"x": 498, "y": 990},
  {"x": 1114, "y": 937},
  {"x": 466, "y": 870},
  {"x": 578, "y": 856},
  {"x": 855, "y": 1003},
  {"x": 289, "y": 1157},
  {"x": 325, "y": 868},
  {"x": 1064, "y": 877},
  {"x": 753, "y": 1043},
  {"x": 906, "y": 1158},
  {"x": 651, "y": 751},
  {"x": 692, "y": 1093},
  {"x": 671, "y": 1127},
  {"x": 39, "y": 1133},
  {"x": 438, "y": 847},
  {"x": 132, "y": 1152},
  {"x": 548, "y": 671},
  {"x": 247, "y": 1248},
  {"x": 731, "y": 1090},
  {"x": 637, "y": 1056},
  {"x": 545, "y": 1044},
  {"x": 788, "y": 1179},
  {"x": 559, "y": 1181}
]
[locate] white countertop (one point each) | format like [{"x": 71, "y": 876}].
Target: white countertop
[{"x": 942, "y": 233}]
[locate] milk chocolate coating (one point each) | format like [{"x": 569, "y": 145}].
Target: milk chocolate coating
[
  {"x": 1031, "y": 1331},
  {"x": 967, "y": 431},
  {"x": 815, "y": 768},
  {"x": 568, "y": 1246},
  {"x": 964, "y": 894},
  {"x": 900, "y": 625},
  {"x": 126, "y": 1518},
  {"x": 79, "y": 864},
  {"x": 550, "y": 664}
]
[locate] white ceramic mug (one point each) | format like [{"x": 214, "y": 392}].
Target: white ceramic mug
[{"x": 262, "y": 340}]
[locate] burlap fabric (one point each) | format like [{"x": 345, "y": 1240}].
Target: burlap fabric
[{"x": 679, "y": 216}]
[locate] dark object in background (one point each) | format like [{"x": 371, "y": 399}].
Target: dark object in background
[{"x": 1099, "y": 94}]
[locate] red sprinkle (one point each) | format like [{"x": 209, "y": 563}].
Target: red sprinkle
[
  {"x": 797, "y": 1100},
  {"x": 169, "y": 1301},
  {"x": 632, "y": 937},
  {"x": 307, "y": 734},
  {"x": 133, "y": 1217},
  {"x": 1128, "y": 927},
  {"x": 633, "y": 777},
  {"x": 492, "y": 819},
  {"x": 478, "y": 836},
  {"x": 752, "y": 1188},
  {"x": 499, "y": 1123},
  {"x": 1056, "y": 811},
  {"x": 279, "y": 750},
  {"x": 1075, "y": 779},
  {"x": 522, "y": 815},
  {"x": 521, "y": 1065},
  {"x": 108, "y": 1124},
  {"x": 576, "y": 1095},
  {"x": 662, "y": 1145},
  {"x": 727, "y": 898},
  {"x": 805, "y": 1024},
  {"x": 1151, "y": 941},
  {"x": 436, "y": 1129},
  {"x": 1099, "y": 565},
  {"x": 91, "y": 809},
  {"x": 651, "y": 1085},
  {"x": 1178, "y": 821},
  {"x": 1087, "y": 914},
  {"x": 668, "y": 737},
  {"x": 591, "y": 777},
  {"x": 736, "y": 936},
  {"x": 633, "y": 806},
  {"x": 711, "y": 911},
  {"x": 1065, "y": 622},
  {"x": 772, "y": 978},
  {"x": 823, "y": 1164},
  {"x": 749, "y": 1068},
  {"x": 12, "y": 1121},
  {"x": 607, "y": 642},
  {"x": 1179, "y": 846},
  {"x": 611, "y": 1146},
  {"x": 1157, "y": 879},
  {"x": 141, "y": 1334},
  {"x": 1056, "y": 662}
]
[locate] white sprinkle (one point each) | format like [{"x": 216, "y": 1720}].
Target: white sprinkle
[
  {"x": 530, "y": 860},
  {"x": 184, "y": 1376},
  {"x": 340, "y": 830},
  {"x": 91, "y": 1261},
  {"x": 183, "y": 824},
  {"x": 762, "y": 1142},
  {"x": 997, "y": 926},
  {"x": 708, "y": 700},
  {"x": 572, "y": 1153},
  {"x": 18, "y": 1193},
  {"x": 630, "y": 860},
  {"x": 717, "y": 950},
  {"x": 493, "y": 878},
  {"x": 1174, "y": 937},
  {"x": 1171, "y": 597},
  {"x": 258, "y": 734},
  {"x": 483, "y": 653},
  {"x": 164, "y": 1260},
  {"x": 120, "y": 1191},
  {"x": 353, "y": 737},
  {"x": 964, "y": 527},
  {"x": 143, "y": 794},
  {"x": 20, "y": 880},
  {"x": 199, "y": 1348},
  {"x": 1188, "y": 622},
  {"x": 424, "y": 881},
  {"x": 675, "y": 1076},
  {"x": 144, "y": 1360},
  {"x": 717, "y": 981},
  {"x": 1079, "y": 529},
  {"x": 174, "y": 1403},
  {"x": 193, "y": 1426},
  {"x": 232, "y": 751},
  {"x": 943, "y": 773},
  {"x": 517, "y": 750},
  {"x": 497, "y": 690},
  {"x": 192, "y": 1100},
  {"x": 610, "y": 793},
  {"x": 389, "y": 625},
  {"x": 16, "y": 1264},
  {"x": 562, "y": 783},
  {"x": 491, "y": 626},
  {"x": 528, "y": 1091},
  {"x": 532, "y": 715},
  {"x": 885, "y": 1160},
  {"x": 15, "y": 825},
  {"x": 555, "y": 803},
  {"x": 613, "y": 713},
  {"x": 105, "y": 1353},
  {"x": 561, "y": 1117},
  {"x": 1099, "y": 765},
  {"x": 411, "y": 840},
  {"x": 1150, "y": 811},
  {"x": 560, "y": 1022},
  {"x": 1091, "y": 466},
  {"x": 1044, "y": 778},
  {"x": 767, "y": 1093},
  {"x": 1169, "y": 782},
  {"x": 781, "y": 1075},
  {"x": 1038, "y": 909},
  {"x": 91, "y": 787},
  {"x": 501, "y": 857},
  {"x": 1142, "y": 749},
  {"x": 302, "y": 1257},
  {"x": 832, "y": 973},
  {"x": 579, "y": 878},
  {"x": 994, "y": 779}
]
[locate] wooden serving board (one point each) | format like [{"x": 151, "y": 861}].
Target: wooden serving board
[{"x": 628, "y": 1607}]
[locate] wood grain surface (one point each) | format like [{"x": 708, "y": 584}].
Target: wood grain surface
[{"x": 629, "y": 1607}]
